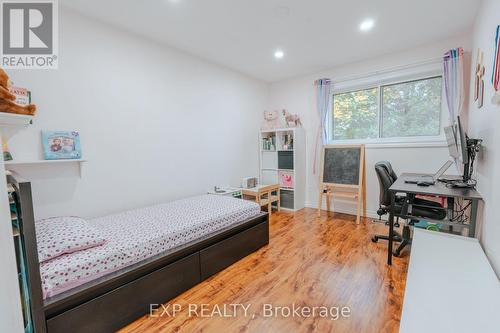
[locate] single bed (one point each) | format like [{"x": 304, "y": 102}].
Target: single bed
[
  {"x": 140, "y": 234},
  {"x": 151, "y": 255}
]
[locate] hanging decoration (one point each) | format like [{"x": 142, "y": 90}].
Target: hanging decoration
[
  {"x": 479, "y": 81},
  {"x": 495, "y": 77}
]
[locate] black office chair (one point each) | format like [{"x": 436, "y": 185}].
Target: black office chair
[{"x": 420, "y": 207}]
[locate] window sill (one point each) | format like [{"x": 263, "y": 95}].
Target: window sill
[
  {"x": 395, "y": 144},
  {"x": 421, "y": 144}
]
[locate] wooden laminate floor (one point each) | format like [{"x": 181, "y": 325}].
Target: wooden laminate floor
[{"x": 310, "y": 262}]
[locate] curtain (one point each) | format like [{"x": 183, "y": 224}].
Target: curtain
[
  {"x": 453, "y": 63},
  {"x": 495, "y": 75},
  {"x": 323, "y": 99}
]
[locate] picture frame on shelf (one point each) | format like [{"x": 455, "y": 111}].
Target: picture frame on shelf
[{"x": 59, "y": 145}]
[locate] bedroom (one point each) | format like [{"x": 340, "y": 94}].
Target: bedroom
[{"x": 169, "y": 99}]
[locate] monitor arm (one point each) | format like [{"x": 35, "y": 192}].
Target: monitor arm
[{"x": 473, "y": 147}]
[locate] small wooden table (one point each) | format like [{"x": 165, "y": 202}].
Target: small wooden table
[{"x": 263, "y": 195}]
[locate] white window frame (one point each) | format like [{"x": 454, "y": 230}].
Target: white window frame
[{"x": 380, "y": 79}]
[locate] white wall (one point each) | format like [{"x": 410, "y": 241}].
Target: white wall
[
  {"x": 484, "y": 124},
  {"x": 156, "y": 124},
  {"x": 297, "y": 95}
]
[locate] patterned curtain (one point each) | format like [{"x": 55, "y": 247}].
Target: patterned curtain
[
  {"x": 323, "y": 100},
  {"x": 453, "y": 62}
]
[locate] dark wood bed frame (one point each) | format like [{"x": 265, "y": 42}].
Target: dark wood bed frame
[{"x": 115, "y": 300}]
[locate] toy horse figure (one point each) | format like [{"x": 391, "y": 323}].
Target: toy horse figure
[{"x": 292, "y": 120}]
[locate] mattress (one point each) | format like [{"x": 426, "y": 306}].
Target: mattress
[{"x": 137, "y": 235}]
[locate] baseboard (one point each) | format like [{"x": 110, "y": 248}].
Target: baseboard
[{"x": 369, "y": 213}]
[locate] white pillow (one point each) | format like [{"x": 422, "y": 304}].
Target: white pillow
[{"x": 57, "y": 236}]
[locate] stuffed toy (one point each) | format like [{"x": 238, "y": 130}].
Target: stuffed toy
[
  {"x": 292, "y": 120},
  {"x": 271, "y": 120},
  {"x": 7, "y": 99}
]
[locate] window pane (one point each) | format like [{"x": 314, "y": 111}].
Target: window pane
[
  {"x": 355, "y": 115},
  {"x": 411, "y": 108}
]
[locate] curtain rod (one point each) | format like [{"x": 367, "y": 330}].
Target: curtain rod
[{"x": 387, "y": 70}]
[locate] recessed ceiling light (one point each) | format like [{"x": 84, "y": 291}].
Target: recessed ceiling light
[
  {"x": 281, "y": 11},
  {"x": 278, "y": 54},
  {"x": 174, "y": 1},
  {"x": 367, "y": 25}
]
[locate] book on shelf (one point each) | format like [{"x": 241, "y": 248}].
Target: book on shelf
[
  {"x": 287, "y": 142},
  {"x": 23, "y": 95},
  {"x": 269, "y": 143}
]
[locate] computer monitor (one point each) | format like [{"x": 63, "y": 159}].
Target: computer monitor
[
  {"x": 462, "y": 143},
  {"x": 463, "y": 150},
  {"x": 452, "y": 142},
  {"x": 456, "y": 140}
]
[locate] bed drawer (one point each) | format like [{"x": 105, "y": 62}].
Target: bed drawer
[
  {"x": 215, "y": 258},
  {"x": 121, "y": 306}
]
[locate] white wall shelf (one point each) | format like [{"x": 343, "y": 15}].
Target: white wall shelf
[
  {"x": 37, "y": 166},
  {"x": 35, "y": 162},
  {"x": 11, "y": 123}
]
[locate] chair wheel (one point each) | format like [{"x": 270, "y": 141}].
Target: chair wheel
[
  {"x": 396, "y": 254},
  {"x": 374, "y": 239}
]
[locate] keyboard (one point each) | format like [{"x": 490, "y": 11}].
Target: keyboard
[{"x": 424, "y": 179}]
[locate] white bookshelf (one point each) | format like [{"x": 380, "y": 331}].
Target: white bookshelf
[{"x": 277, "y": 158}]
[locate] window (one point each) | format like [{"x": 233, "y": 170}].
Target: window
[
  {"x": 355, "y": 115},
  {"x": 406, "y": 109}
]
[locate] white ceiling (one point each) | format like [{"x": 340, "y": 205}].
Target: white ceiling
[{"x": 314, "y": 34}]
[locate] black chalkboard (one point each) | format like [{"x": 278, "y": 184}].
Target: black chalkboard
[{"x": 341, "y": 165}]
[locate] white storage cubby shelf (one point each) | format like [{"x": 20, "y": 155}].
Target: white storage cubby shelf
[{"x": 282, "y": 160}]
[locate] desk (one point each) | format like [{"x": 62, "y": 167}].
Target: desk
[
  {"x": 438, "y": 189},
  {"x": 263, "y": 195},
  {"x": 451, "y": 286}
]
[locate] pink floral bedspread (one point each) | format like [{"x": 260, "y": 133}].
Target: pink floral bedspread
[{"x": 143, "y": 233}]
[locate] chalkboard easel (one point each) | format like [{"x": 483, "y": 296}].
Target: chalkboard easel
[{"x": 343, "y": 175}]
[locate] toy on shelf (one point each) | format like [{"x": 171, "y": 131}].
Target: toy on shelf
[
  {"x": 8, "y": 99},
  {"x": 292, "y": 120},
  {"x": 271, "y": 120}
]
